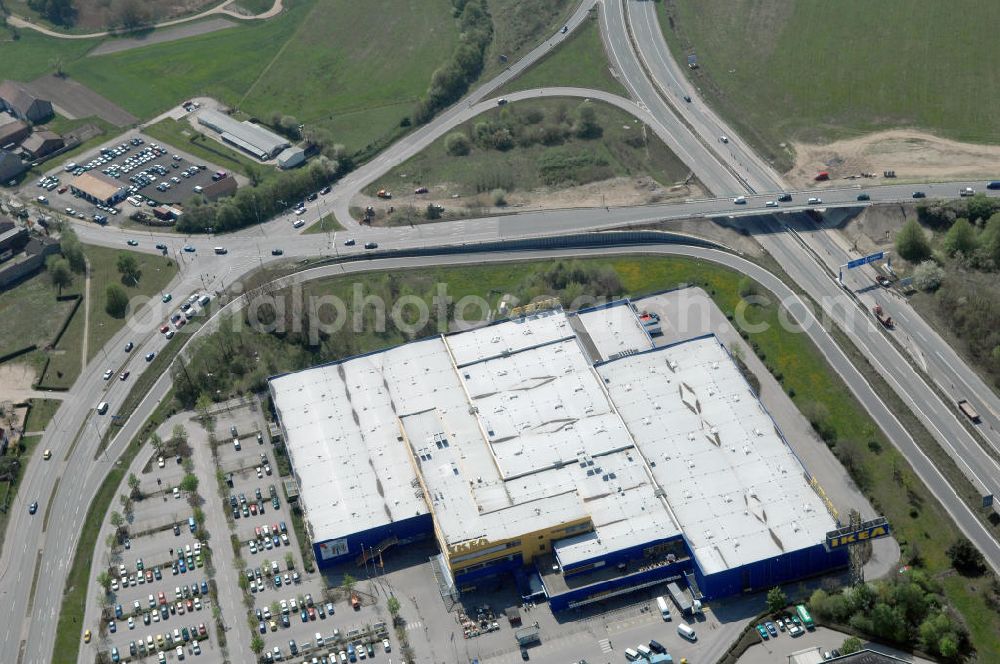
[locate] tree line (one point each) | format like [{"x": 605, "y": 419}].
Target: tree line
[
  {"x": 255, "y": 205},
  {"x": 953, "y": 263}
]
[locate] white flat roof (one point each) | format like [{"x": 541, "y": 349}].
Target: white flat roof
[
  {"x": 738, "y": 492},
  {"x": 614, "y": 329},
  {"x": 512, "y": 430}
]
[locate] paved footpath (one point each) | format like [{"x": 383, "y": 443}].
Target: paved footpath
[{"x": 229, "y": 595}]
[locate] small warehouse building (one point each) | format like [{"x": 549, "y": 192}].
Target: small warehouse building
[
  {"x": 97, "y": 188},
  {"x": 17, "y": 100},
  {"x": 564, "y": 450},
  {"x": 247, "y": 136},
  {"x": 220, "y": 188},
  {"x": 42, "y": 143},
  {"x": 291, "y": 157}
]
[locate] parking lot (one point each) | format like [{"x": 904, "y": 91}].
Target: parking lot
[
  {"x": 160, "y": 597},
  {"x": 152, "y": 173}
]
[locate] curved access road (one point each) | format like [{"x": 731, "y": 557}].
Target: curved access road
[{"x": 221, "y": 9}]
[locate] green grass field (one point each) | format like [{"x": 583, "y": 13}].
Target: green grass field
[
  {"x": 157, "y": 272},
  {"x": 519, "y": 26},
  {"x": 41, "y": 413},
  {"x": 580, "y": 61},
  {"x": 527, "y": 168},
  {"x": 30, "y": 313},
  {"x": 64, "y": 363},
  {"x": 816, "y": 71},
  {"x": 355, "y": 69},
  {"x": 327, "y": 224},
  {"x": 34, "y": 54}
]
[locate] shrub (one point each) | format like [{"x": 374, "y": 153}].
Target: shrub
[
  {"x": 928, "y": 276},
  {"x": 457, "y": 144},
  {"x": 911, "y": 242}
]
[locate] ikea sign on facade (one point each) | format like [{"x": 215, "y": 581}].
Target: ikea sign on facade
[{"x": 868, "y": 530}]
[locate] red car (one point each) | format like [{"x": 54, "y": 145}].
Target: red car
[
  {"x": 201, "y": 629},
  {"x": 312, "y": 613},
  {"x": 161, "y": 598},
  {"x": 164, "y": 328},
  {"x": 253, "y": 508}
]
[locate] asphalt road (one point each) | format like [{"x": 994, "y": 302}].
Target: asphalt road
[{"x": 79, "y": 474}]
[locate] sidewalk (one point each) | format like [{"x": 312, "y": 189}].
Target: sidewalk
[{"x": 230, "y": 597}]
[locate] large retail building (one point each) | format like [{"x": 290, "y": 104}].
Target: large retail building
[{"x": 563, "y": 448}]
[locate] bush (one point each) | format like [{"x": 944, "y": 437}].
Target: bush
[
  {"x": 960, "y": 238},
  {"x": 499, "y": 197},
  {"x": 457, "y": 144},
  {"x": 928, "y": 276},
  {"x": 966, "y": 558}
]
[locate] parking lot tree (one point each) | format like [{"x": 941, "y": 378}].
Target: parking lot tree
[
  {"x": 133, "y": 484},
  {"x": 115, "y": 301},
  {"x": 104, "y": 580},
  {"x": 179, "y": 434},
  {"x": 117, "y": 519},
  {"x": 275, "y": 608},
  {"x": 156, "y": 443},
  {"x": 256, "y": 644},
  {"x": 128, "y": 267},
  {"x": 188, "y": 465},
  {"x": 189, "y": 483},
  {"x": 244, "y": 583},
  {"x": 59, "y": 272},
  {"x": 110, "y": 542},
  {"x": 289, "y": 560},
  {"x": 348, "y": 583},
  {"x": 776, "y": 599},
  {"x": 203, "y": 406},
  {"x": 393, "y": 605},
  {"x": 266, "y": 566},
  {"x": 198, "y": 514}
]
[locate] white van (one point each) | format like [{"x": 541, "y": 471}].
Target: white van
[
  {"x": 102, "y": 407},
  {"x": 236, "y": 444},
  {"x": 687, "y": 632},
  {"x": 661, "y": 603},
  {"x": 221, "y": 251},
  {"x": 644, "y": 651},
  {"x": 631, "y": 655}
]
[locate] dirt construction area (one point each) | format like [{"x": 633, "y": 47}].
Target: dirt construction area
[{"x": 913, "y": 155}]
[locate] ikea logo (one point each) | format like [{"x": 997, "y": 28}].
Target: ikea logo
[{"x": 844, "y": 539}]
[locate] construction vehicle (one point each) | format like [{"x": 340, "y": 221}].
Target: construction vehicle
[
  {"x": 355, "y": 602},
  {"x": 969, "y": 411},
  {"x": 882, "y": 317},
  {"x": 822, "y": 176},
  {"x": 382, "y": 193}
]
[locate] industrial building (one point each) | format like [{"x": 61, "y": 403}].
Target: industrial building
[
  {"x": 97, "y": 188},
  {"x": 565, "y": 450},
  {"x": 247, "y": 136}
]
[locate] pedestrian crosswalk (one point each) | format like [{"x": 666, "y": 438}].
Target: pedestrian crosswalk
[
  {"x": 416, "y": 624},
  {"x": 605, "y": 645}
]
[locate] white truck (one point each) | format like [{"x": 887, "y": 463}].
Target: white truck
[{"x": 661, "y": 602}]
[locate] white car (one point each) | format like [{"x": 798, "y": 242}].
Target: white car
[
  {"x": 740, "y": 200},
  {"x": 815, "y": 201},
  {"x": 770, "y": 204},
  {"x": 299, "y": 223},
  {"x": 108, "y": 374},
  {"x": 386, "y": 646}
]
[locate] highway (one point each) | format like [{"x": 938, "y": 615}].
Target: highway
[{"x": 65, "y": 485}]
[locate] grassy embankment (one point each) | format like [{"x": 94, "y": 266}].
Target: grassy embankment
[{"x": 780, "y": 71}]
